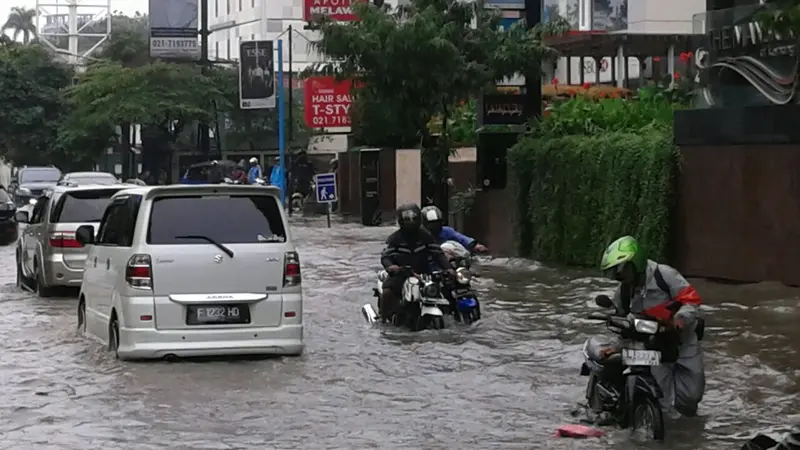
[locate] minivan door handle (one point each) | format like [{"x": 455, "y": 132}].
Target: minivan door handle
[{"x": 108, "y": 263}]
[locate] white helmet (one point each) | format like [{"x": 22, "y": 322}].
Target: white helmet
[{"x": 254, "y": 160}]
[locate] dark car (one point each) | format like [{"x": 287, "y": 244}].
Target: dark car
[
  {"x": 31, "y": 182},
  {"x": 8, "y": 221},
  {"x": 208, "y": 172}
]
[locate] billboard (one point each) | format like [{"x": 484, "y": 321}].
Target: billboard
[
  {"x": 173, "y": 29},
  {"x": 327, "y": 102},
  {"x": 256, "y": 75},
  {"x": 340, "y": 10}
]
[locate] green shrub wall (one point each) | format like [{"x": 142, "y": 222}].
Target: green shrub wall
[{"x": 576, "y": 194}]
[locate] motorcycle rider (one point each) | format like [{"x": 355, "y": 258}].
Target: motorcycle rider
[
  {"x": 433, "y": 220},
  {"x": 410, "y": 246},
  {"x": 255, "y": 171},
  {"x": 661, "y": 292}
]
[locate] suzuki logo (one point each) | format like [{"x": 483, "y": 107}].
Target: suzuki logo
[{"x": 217, "y": 259}]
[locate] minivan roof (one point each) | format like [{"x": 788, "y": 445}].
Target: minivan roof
[{"x": 198, "y": 189}]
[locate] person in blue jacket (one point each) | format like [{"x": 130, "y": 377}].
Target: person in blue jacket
[
  {"x": 277, "y": 177},
  {"x": 433, "y": 221},
  {"x": 255, "y": 170}
]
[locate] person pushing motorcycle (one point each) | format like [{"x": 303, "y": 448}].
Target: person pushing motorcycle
[
  {"x": 410, "y": 247},
  {"x": 433, "y": 221},
  {"x": 662, "y": 293}
]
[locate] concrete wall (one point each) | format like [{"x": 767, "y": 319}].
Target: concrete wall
[
  {"x": 409, "y": 176},
  {"x": 658, "y": 16}
]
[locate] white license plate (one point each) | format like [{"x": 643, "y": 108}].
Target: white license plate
[{"x": 641, "y": 357}]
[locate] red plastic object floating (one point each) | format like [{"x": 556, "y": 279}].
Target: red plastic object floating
[{"x": 578, "y": 431}]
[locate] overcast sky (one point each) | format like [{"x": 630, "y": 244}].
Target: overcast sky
[{"x": 126, "y": 6}]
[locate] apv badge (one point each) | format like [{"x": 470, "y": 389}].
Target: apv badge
[{"x": 217, "y": 259}]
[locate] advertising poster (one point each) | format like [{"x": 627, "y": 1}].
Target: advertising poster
[
  {"x": 256, "y": 75},
  {"x": 340, "y": 10},
  {"x": 173, "y": 29},
  {"x": 327, "y": 102}
]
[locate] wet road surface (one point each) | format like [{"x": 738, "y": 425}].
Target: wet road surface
[{"x": 505, "y": 383}]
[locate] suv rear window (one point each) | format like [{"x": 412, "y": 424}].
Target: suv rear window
[
  {"x": 82, "y": 206},
  {"x": 44, "y": 175},
  {"x": 234, "y": 219}
]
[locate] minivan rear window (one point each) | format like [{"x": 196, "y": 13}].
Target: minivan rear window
[
  {"x": 234, "y": 219},
  {"x": 82, "y": 206}
]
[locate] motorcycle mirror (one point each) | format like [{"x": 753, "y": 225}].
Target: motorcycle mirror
[{"x": 603, "y": 301}]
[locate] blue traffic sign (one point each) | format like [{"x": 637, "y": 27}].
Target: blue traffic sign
[{"x": 326, "y": 187}]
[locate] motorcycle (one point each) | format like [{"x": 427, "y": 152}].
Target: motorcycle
[
  {"x": 421, "y": 305},
  {"x": 621, "y": 385},
  {"x": 465, "y": 306}
]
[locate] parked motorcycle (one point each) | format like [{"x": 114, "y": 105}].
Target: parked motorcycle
[
  {"x": 464, "y": 301},
  {"x": 421, "y": 302},
  {"x": 621, "y": 386}
]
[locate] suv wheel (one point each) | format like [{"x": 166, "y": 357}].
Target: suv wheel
[
  {"x": 42, "y": 289},
  {"x": 22, "y": 281}
]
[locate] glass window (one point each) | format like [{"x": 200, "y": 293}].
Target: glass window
[
  {"x": 105, "y": 180},
  {"x": 235, "y": 219},
  {"x": 82, "y": 206},
  {"x": 119, "y": 222},
  {"x": 39, "y": 176}
]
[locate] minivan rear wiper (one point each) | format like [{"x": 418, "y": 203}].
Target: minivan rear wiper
[{"x": 227, "y": 251}]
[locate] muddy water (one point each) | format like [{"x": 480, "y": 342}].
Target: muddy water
[{"x": 505, "y": 383}]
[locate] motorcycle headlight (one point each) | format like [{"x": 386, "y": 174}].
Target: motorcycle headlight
[
  {"x": 463, "y": 275},
  {"x": 430, "y": 289},
  {"x": 645, "y": 326}
]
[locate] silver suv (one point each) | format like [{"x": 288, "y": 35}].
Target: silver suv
[{"x": 47, "y": 253}]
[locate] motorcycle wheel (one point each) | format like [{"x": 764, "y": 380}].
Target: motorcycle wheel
[
  {"x": 428, "y": 322},
  {"x": 647, "y": 417},
  {"x": 467, "y": 317}
]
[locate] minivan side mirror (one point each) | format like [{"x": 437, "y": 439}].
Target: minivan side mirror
[
  {"x": 85, "y": 235},
  {"x": 603, "y": 301},
  {"x": 22, "y": 217}
]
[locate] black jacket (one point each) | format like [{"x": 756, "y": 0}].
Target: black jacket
[{"x": 416, "y": 252}]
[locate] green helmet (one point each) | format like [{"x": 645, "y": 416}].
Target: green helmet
[{"x": 624, "y": 249}]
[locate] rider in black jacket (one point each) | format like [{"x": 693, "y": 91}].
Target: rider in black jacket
[{"x": 411, "y": 247}]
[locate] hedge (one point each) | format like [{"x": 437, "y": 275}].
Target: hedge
[{"x": 576, "y": 194}]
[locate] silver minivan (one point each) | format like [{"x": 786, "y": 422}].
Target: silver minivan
[
  {"x": 47, "y": 253},
  {"x": 192, "y": 270}
]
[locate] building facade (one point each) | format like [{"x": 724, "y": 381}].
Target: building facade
[
  {"x": 233, "y": 21},
  {"x": 619, "y": 16}
]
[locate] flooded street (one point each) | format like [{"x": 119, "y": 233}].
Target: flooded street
[{"x": 505, "y": 383}]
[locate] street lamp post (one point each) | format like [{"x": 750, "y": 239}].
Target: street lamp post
[
  {"x": 205, "y": 141},
  {"x": 533, "y": 81}
]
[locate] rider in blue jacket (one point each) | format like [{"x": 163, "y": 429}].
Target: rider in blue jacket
[{"x": 433, "y": 220}]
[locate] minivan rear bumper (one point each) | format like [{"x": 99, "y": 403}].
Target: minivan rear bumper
[
  {"x": 145, "y": 343},
  {"x": 58, "y": 273}
]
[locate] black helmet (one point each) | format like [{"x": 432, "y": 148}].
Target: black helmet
[
  {"x": 409, "y": 217},
  {"x": 433, "y": 219}
]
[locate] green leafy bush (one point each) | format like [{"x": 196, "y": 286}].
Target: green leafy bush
[
  {"x": 583, "y": 116},
  {"x": 577, "y": 193}
]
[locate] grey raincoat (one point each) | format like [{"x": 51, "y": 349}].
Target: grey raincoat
[{"x": 682, "y": 382}]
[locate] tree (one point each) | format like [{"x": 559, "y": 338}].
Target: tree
[
  {"x": 161, "y": 97},
  {"x": 247, "y": 129},
  {"x": 21, "y": 21},
  {"x": 421, "y": 60},
  {"x": 30, "y": 92}
]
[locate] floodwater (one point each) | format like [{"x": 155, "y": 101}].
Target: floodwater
[{"x": 505, "y": 383}]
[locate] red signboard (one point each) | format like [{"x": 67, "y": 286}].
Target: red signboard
[
  {"x": 327, "y": 102},
  {"x": 340, "y": 10}
]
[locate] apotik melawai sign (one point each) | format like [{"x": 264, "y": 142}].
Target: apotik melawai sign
[
  {"x": 340, "y": 10},
  {"x": 327, "y": 102}
]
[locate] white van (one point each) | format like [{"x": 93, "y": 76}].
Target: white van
[{"x": 202, "y": 270}]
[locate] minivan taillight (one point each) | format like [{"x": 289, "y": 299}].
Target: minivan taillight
[
  {"x": 291, "y": 269},
  {"x": 138, "y": 272},
  {"x": 64, "y": 240}
]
